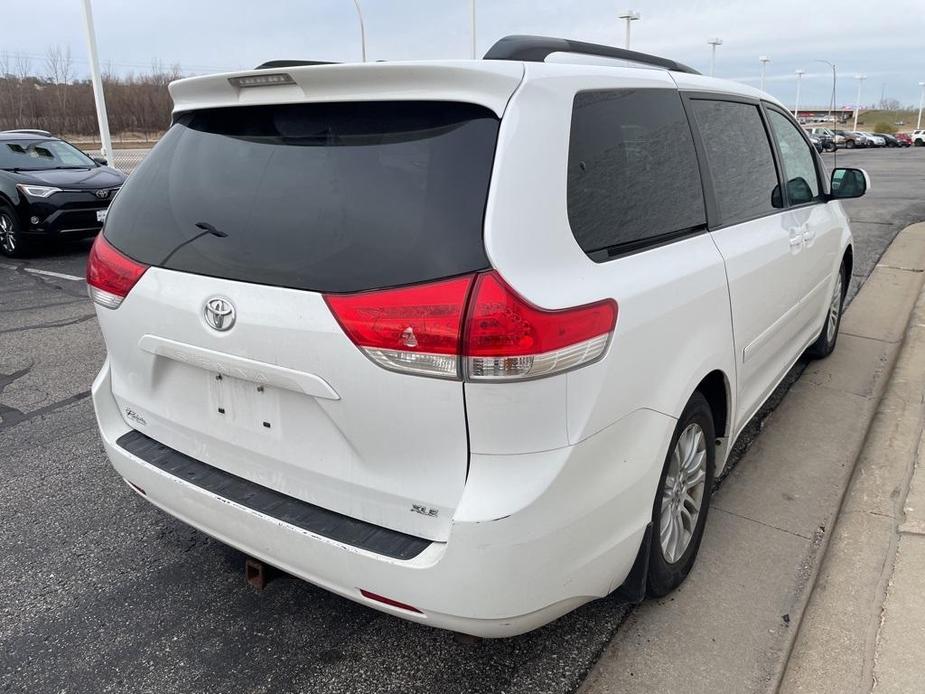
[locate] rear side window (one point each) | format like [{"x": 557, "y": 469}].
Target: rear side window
[
  {"x": 798, "y": 160},
  {"x": 333, "y": 197},
  {"x": 739, "y": 159},
  {"x": 632, "y": 171}
]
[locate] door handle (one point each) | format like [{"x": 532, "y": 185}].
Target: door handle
[
  {"x": 796, "y": 238},
  {"x": 809, "y": 233}
]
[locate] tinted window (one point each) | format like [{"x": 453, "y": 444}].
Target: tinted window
[
  {"x": 740, "y": 160},
  {"x": 328, "y": 197},
  {"x": 797, "y": 159},
  {"x": 629, "y": 152}
]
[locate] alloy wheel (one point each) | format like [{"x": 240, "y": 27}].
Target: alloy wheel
[
  {"x": 7, "y": 234},
  {"x": 682, "y": 492},
  {"x": 834, "y": 310}
]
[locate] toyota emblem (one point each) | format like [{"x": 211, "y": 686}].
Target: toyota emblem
[
  {"x": 102, "y": 194},
  {"x": 219, "y": 313}
]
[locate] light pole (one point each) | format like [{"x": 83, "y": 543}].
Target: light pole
[
  {"x": 629, "y": 16},
  {"x": 714, "y": 42},
  {"x": 764, "y": 66},
  {"x": 857, "y": 103},
  {"x": 472, "y": 20},
  {"x": 918, "y": 124},
  {"x": 101, "y": 117},
  {"x": 356, "y": 4},
  {"x": 834, "y": 80},
  {"x": 796, "y": 106}
]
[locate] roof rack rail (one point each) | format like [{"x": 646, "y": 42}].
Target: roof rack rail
[
  {"x": 28, "y": 131},
  {"x": 273, "y": 64},
  {"x": 535, "y": 49}
]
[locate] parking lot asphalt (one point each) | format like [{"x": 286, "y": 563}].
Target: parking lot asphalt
[{"x": 102, "y": 592}]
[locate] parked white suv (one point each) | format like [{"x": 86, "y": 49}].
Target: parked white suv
[
  {"x": 918, "y": 138},
  {"x": 466, "y": 341}
]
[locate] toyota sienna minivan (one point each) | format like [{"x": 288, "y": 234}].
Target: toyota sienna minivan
[{"x": 467, "y": 342}]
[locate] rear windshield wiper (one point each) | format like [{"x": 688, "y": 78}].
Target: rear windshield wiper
[{"x": 206, "y": 229}]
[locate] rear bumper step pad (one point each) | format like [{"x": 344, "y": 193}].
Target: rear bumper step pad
[{"x": 321, "y": 521}]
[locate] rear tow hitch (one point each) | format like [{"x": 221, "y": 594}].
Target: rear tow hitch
[{"x": 256, "y": 573}]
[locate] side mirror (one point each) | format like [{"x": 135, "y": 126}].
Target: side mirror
[
  {"x": 100, "y": 160},
  {"x": 849, "y": 183}
]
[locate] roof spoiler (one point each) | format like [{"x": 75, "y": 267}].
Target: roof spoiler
[{"x": 535, "y": 49}]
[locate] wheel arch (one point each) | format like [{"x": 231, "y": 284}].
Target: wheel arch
[{"x": 716, "y": 388}]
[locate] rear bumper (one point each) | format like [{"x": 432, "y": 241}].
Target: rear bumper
[{"x": 533, "y": 537}]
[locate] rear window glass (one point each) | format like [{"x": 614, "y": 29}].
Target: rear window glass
[
  {"x": 633, "y": 178},
  {"x": 328, "y": 197}
]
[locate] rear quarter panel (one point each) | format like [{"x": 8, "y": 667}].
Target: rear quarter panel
[{"x": 674, "y": 321}]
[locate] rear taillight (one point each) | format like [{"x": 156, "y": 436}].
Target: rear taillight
[
  {"x": 506, "y": 337},
  {"x": 489, "y": 333},
  {"x": 411, "y": 329},
  {"x": 110, "y": 275}
]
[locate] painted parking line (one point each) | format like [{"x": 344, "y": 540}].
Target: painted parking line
[{"x": 46, "y": 273}]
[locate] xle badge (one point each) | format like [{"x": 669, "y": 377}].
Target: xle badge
[{"x": 134, "y": 416}]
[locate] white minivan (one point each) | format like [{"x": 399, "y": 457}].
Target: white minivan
[{"x": 464, "y": 341}]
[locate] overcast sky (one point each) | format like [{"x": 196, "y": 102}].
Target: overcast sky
[{"x": 887, "y": 43}]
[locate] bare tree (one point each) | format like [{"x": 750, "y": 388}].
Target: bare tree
[
  {"x": 7, "y": 84},
  {"x": 890, "y": 104},
  {"x": 25, "y": 88},
  {"x": 60, "y": 101},
  {"x": 59, "y": 69}
]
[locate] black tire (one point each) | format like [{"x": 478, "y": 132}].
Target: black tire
[
  {"x": 849, "y": 144},
  {"x": 830, "y": 147},
  {"x": 825, "y": 343},
  {"x": 664, "y": 574},
  {"x": 12, "y": 244}
]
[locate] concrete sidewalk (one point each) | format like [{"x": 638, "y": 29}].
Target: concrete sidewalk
[
  {"x": 864, "y": 626},
  {"x": 733, "y": 625}
]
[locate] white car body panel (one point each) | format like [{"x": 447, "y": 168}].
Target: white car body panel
[
  {"x": 511, "y": 536},
  {"x": 541, "y": 490},
  {"x": 364, "y": 442},
  {"x": 489, "y": 84},
  {"x": 763, "y": 292}
]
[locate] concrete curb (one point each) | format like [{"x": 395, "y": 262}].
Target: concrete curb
[{"x": 733, "y": 624}]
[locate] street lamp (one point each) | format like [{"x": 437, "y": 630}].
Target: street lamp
[
  {"x": 857, "y": 103},
  {"x": 472, "y": 13},
  {"x": 714, "y": 42},
  {"x": 101, "y": 117},
  {"x": 796, "y": 106},
  {"x": 764, "y": 66},
  {"x": 356, "y": 3},
  {"x": 918, "y": 125},
  {"x": 629, "y": 16},
  {"x": 834, "y": 81}
]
